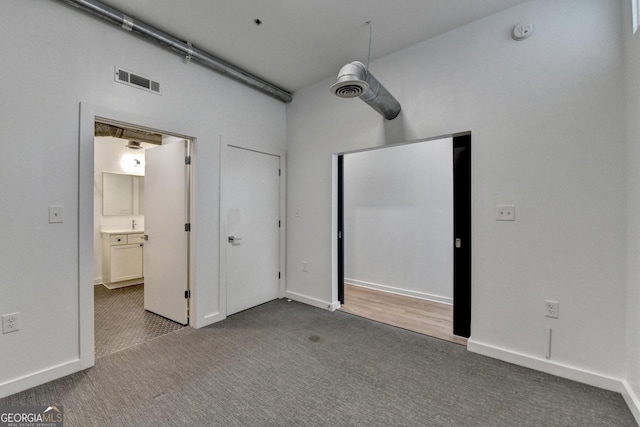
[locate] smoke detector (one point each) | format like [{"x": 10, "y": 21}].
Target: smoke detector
[{"x": 522, "y": 31}]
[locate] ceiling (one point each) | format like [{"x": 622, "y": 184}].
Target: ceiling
[{"x": 301, "y": 42}]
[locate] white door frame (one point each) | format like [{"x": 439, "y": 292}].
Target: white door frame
[
  {"x": 225, "y": 143},
  {"x": 89, "y": 113}
]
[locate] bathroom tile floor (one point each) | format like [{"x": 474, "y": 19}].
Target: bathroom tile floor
[{"x": 122, "y": 322}]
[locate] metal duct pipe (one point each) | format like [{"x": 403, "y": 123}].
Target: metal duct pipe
[
  {"x": 355, "y": 80},
  {"x": 120, "y": 19}
]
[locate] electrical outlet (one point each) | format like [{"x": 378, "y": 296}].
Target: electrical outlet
[
  {"x": 551, "y": 309},
  {"x": 10, "y": 323},
  {"x": 305, "y": 266}
]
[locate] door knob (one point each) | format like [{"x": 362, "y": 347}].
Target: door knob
[{"x": 233, "y": 239}]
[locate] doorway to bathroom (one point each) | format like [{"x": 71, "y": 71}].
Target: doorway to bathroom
[
  {"x": 404, "y": 235},
  {"x": 141, "y": 234}
]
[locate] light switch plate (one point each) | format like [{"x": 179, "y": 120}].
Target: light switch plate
[
  {"x": 55, "y": 214},
  {"x": 505, "y": 213}
]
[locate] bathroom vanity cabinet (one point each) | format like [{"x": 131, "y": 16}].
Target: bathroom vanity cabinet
[{"x": 122, "y": 258}]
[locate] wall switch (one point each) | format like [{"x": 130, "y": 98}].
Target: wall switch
[
  {"x": 297, "y": 212},
  {"x": 551, "y": 309},
  {"x": 10, "y": 323},
  {"x": 505, "y": 213},
  {"x": 55, "y": 214},
  {"x": 305, "y": 265}
]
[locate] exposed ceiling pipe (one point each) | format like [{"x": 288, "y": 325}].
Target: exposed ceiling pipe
[
  {"x": 355, "y": 80},
  {"x": 120, "y": 19}
]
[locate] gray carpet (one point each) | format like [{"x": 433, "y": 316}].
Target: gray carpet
[
  {"x": 288, "y": 364},
  {"x": 122, "y": 322}
]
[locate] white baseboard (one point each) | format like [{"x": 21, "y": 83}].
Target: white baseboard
[
  {"x": 631, "y": 398},
  {"x": 399, "y": 291},
  {"x": 98, "y": 281},
  {"x": 207, "y": 319},
  {"x": 37, "y": 378},
  {"x": 331, "y": 306},
  {"x": 544, "y": 365}
]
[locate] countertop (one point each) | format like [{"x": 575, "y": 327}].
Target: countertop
[{"x": 122, "y": 231}]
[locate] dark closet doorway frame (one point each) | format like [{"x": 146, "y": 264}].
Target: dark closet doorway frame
[{"x": 461, "y": 230}]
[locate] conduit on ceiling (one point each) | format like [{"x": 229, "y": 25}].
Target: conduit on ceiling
[{"x": 120, "y": 19}]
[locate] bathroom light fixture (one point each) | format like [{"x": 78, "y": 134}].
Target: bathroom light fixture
[
  {"x": 132, "y": 163},
  {"x": 134, "y": 145}
]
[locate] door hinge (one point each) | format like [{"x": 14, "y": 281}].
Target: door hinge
[
  {"x": 278, "y": 274},
  {"x": 279, "y": 224},
  {"x": 340, "y": 234},
  {"x": 279, "y": 172},
  {"x": 187, "y": 160},
  {"x": 187, "y": 294},
  {"x": 187, "y": 227}
]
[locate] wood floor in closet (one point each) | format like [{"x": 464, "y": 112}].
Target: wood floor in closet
[{"x": 415, "y": 314}]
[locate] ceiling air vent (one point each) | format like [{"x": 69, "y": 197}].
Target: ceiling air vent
[{"x": 136, "y": 80}]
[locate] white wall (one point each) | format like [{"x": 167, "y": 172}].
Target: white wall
[
  {"x": 546, "y": 116},
  {"x": 61, "y": 57},
  {"x": 632, "y": 80},
  {"x": 108, "y": 153},
  {"x": 398, "y": 219}
]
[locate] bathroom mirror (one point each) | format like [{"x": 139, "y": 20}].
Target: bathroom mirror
[{"x": 122, "y": 194}]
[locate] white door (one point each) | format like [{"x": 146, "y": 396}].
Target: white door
[
  {"x": 165, "y": 251},
  {"x": 251, "y": 212}
]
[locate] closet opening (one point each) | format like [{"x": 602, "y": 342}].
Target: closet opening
[{"x": 403, "y": 235}]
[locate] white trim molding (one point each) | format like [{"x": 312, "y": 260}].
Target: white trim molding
[
  {"x": 331, "y": 306},
  {"x": 632, "y": 400},
  {"x": 41, "y": 377},
  {"x": 399, "y": 291},
  {"x": 543, "y": 365}
]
